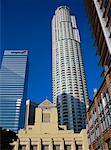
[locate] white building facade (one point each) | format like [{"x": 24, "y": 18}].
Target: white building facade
[{"x": 69, "y": 84}]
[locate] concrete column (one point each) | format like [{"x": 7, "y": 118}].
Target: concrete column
[
  {"x": 17, "y": 144},
  {"x": 51, "y": 145},
  {"x": 73, "y": 146},
  {"x": 40, "y": 145},
  {"x": 28, "y": 144},
  {"x": 62, "y": 145}
]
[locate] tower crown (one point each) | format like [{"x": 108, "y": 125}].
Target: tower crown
[{"x": 63, "y": 7}]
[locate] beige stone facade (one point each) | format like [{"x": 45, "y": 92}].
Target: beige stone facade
[{"x": 46, "y": 134}]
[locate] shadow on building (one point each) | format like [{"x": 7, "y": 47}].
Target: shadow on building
[{"x": 71, "y": 112}]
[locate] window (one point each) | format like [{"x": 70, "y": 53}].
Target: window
[
  {"x": 79, "y": 147},
  {"x": 46, "y": 117},
  {"x": 109, "y": 145},
  {"x": 33, "y": 147},
  {"x": 109, "y": 16},
  {"x": 67, "y": 147},
  {"x": 109, "y": 12},
  {"x": 106, "y": 4},
  {"x": 22, "y": 147},
  {"x": 107, "y": 97},
  {"x": 56, "y": 147},
  {"x": 45, "y": 147}
]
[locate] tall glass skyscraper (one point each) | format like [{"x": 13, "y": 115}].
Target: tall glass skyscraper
[
  {"x": 69, "y": 84},
  {"x": 13, "y": 86}
]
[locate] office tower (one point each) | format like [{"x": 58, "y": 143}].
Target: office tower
[
  {"x": 30, "y": 112},
  {"x": 99, "y": 113},
  {"x": 99, "y": 12},
  {"x": 69, "y": 84},
  {"x": 13, "y": 86},
  {"x": 47, "y": 134}
]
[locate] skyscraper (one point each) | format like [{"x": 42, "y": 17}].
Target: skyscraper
[
  {"x": 99, "y": 13},
  {"x": 13, "y": 86},
  {"x": 69, "y": 84},
  {"x": 99, "y": 113}
]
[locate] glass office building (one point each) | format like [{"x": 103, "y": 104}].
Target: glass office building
[{"x": 13, "y": 86}]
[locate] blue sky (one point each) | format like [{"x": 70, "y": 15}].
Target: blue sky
[{"x": 26, "y": 24}]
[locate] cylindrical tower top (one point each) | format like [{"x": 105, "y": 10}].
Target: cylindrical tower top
[
  {"x": 62, "y": 13},
  {"x": 62, "y": 7}
]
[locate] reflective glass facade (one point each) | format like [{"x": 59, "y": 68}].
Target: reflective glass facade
[{"x": 13, "y": 85}]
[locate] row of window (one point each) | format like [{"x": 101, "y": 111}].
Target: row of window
[
  {"x": 102, "y": 121},
  {"x": 106, "y": 9},
  {"x": 46, "y": 147}
]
